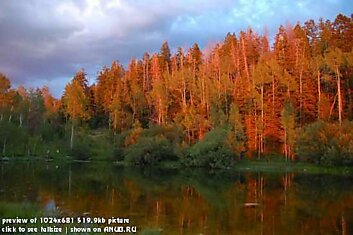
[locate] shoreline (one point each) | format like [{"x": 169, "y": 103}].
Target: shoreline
[{"x": 244, "y": 165}]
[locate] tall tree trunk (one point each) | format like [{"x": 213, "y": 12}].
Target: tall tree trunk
[
  {"x": 218, "y": 78},
  {"x": 350, "y": 104},
  {"x": 344, "y": 225},
  {"x": 301, "y": 96},
  {"x": 285, "y": 144},
  {"x": 262, "y": 120},
  {"x": 339, "y": 96},
  {"x": 184, "y": 83},
  {"x": 319, "y": 94},
  {"x": 203, "y": 98},
  {"x": 21, "y": 120},
  {"x": 273, "y": 95},
  {"x": 72, "y": 136},
  {"x": 115, "y": 121},
  {"x": 332, "y": 106},
  {"x": 193, "y": 82},
  {"x": 4, "y": 148},
  {"x": 160, "y": 111},
  {"x": 245, "y": 59}
]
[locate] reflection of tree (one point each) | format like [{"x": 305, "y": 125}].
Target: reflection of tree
[{"x": 190, "y": 202}]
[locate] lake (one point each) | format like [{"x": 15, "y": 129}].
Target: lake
[{"x": 159, "y": 201}]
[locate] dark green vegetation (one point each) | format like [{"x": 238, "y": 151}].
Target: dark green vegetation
[
  {"x": 191, "y": 201},
  {"x": 326, "y": 143},
  {"x": 22, "y": 210},
  {"x": 242, "y": 99}
]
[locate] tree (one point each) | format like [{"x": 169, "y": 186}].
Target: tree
[
  {"x": 109, "y": 82},
  {"x": 5, "y": 98},
  {"x": 236, "y": 137},
  {"x": 159, "y": 93},
  {"x": 136, "y": 99},
  {"x": 288, "y": 124},
  {"x": 334, "y": 59},
  {"x": 51, "y": 104},
  {"x": 164, "y": 56},
  {"x": 262, "y": 80},
  {"x": 76, "y": 102}
]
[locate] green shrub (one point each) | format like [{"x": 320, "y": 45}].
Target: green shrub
[
  {"x": 18, "y": 209},
  {"x": 326, "y": 143},
  {"x": 150, "y": 150},
  {"x": 119, "y": 141},
  {"x": 213, "y": 151},
  {"x": 151, "y": 146},
  {"x": 118, "y": 154},
  {"x": 81, "y": 150},
  {"x": 172, "y": 133}
]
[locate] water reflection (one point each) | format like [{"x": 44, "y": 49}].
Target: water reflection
[{"x": 189, "y": 202}]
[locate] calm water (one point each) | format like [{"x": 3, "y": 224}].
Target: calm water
[{"x": 192, "y": 202}]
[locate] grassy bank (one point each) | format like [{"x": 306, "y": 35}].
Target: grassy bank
[
  {"x": 252, "y": 165},
  {"x": 283, "y": 166}
]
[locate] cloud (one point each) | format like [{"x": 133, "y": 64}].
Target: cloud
[{"x": 46, "y": 42}]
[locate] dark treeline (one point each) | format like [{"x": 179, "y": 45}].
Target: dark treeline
[{"x": 239, "y": 97}]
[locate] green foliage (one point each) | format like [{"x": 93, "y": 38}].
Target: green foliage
[
  {"x": 81, "y": 150},
  {"x": 93, "y": 144},
  {"x": 23, "y": 210},
  {"x": 170, "y": 132},
  {"x": 217, "y": 117},
  {"x": 50, "y": 132},
  {"x": 12, "y": 139},
  {"x": 118, "y": 154},
  {"x": 213, "y": 151},
  {"x": 156, "y": 144},
  {"x": 150, "y": 150},
  {"x": 236, "y": 138},
  {"x": 326, "y": 143},
  {"x": 119, "y": 145}
]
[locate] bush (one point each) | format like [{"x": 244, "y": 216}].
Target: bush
[
  {"x": 119, "y": 142},
  {"x": 213, "y": 151},
  {"x": 151, "y": 146},
  {"x": 326, "y": 143},
  {"x": 150, "y": 151},
  {"x": 118, "y": 154},
  {"x": 81, "y": 150},
  {"x": 172, "y": 133}
]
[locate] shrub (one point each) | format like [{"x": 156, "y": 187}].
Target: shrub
[
  {"x": 326, "y": 143},
  {"x": 118, "y": 154},
  {"x": 81, "y": 150},
  {"x": 213, "y": 151},
  {"x": 119, "y": 142},
  {"x": 172, "y": 133},
  {"x": 150, "y": 151},
  {"x": 151, "y": 146}
]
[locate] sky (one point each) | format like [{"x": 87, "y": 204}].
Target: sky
[{"x": 46, "y": 42}]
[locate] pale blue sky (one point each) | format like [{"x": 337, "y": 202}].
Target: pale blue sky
[{"x": 45, "y": 42}]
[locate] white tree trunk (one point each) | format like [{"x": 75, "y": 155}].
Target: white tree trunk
[
  {"x": 339, "y": 96},
  {"x": 72, "y": 136},
  {"x": 319, "y": 94},
  {"x": 4, "y": 148}
]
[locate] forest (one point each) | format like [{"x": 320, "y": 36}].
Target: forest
[{"x": 244, "y": 97}]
